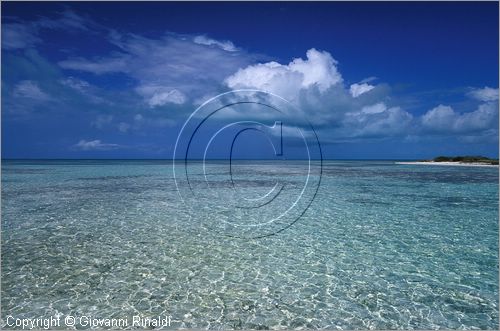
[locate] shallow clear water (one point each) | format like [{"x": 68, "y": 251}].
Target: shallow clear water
[{"x": 382, "y": 246}]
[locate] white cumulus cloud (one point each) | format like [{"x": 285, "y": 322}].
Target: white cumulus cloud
[
  {"x": 16, "y": 35},
  {"x": 485, "y": 94},
  {"x": 91, "y": 145},
  {"x": 358, "y": 89},
  {"x": 30, "y": 89},
  {"x": 445, "y": 119},
  {"x": 170, "y": 69},
  {"x": 319, "y": 69},
  {"x": 20, "y": 34},
  {"x": 158, "y": 95},
  {"x": 75, "y": 83},
  {"x": 374, "y": 109},
  {"x": 439, "y": 118},
  {"x": 376, "y": 121},
  {"x": 225, "y": 45},
  {"x": 316, "y": 87}
]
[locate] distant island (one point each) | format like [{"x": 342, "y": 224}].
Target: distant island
[
  {"x": 458, "y": 160},
  {"x": 465, "y": 159}
]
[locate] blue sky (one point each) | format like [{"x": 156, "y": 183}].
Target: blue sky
[{"x": 376, "y": 80}]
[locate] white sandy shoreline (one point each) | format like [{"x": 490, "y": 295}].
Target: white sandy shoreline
[{"x": 459, "y": 164}]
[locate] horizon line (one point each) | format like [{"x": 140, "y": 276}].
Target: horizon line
[{"x": 171, "y": 159}]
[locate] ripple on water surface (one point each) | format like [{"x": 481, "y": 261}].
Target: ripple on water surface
[{"x": 382, "y": 246}]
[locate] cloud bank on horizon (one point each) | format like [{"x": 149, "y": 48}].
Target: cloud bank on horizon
[{"x": 136, "y": 91}]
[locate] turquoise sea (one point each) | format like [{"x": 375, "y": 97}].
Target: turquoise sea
[{"x": 382, "y": 246}]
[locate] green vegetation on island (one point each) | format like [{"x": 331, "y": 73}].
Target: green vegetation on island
[{"x": 465, "y": 159}]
